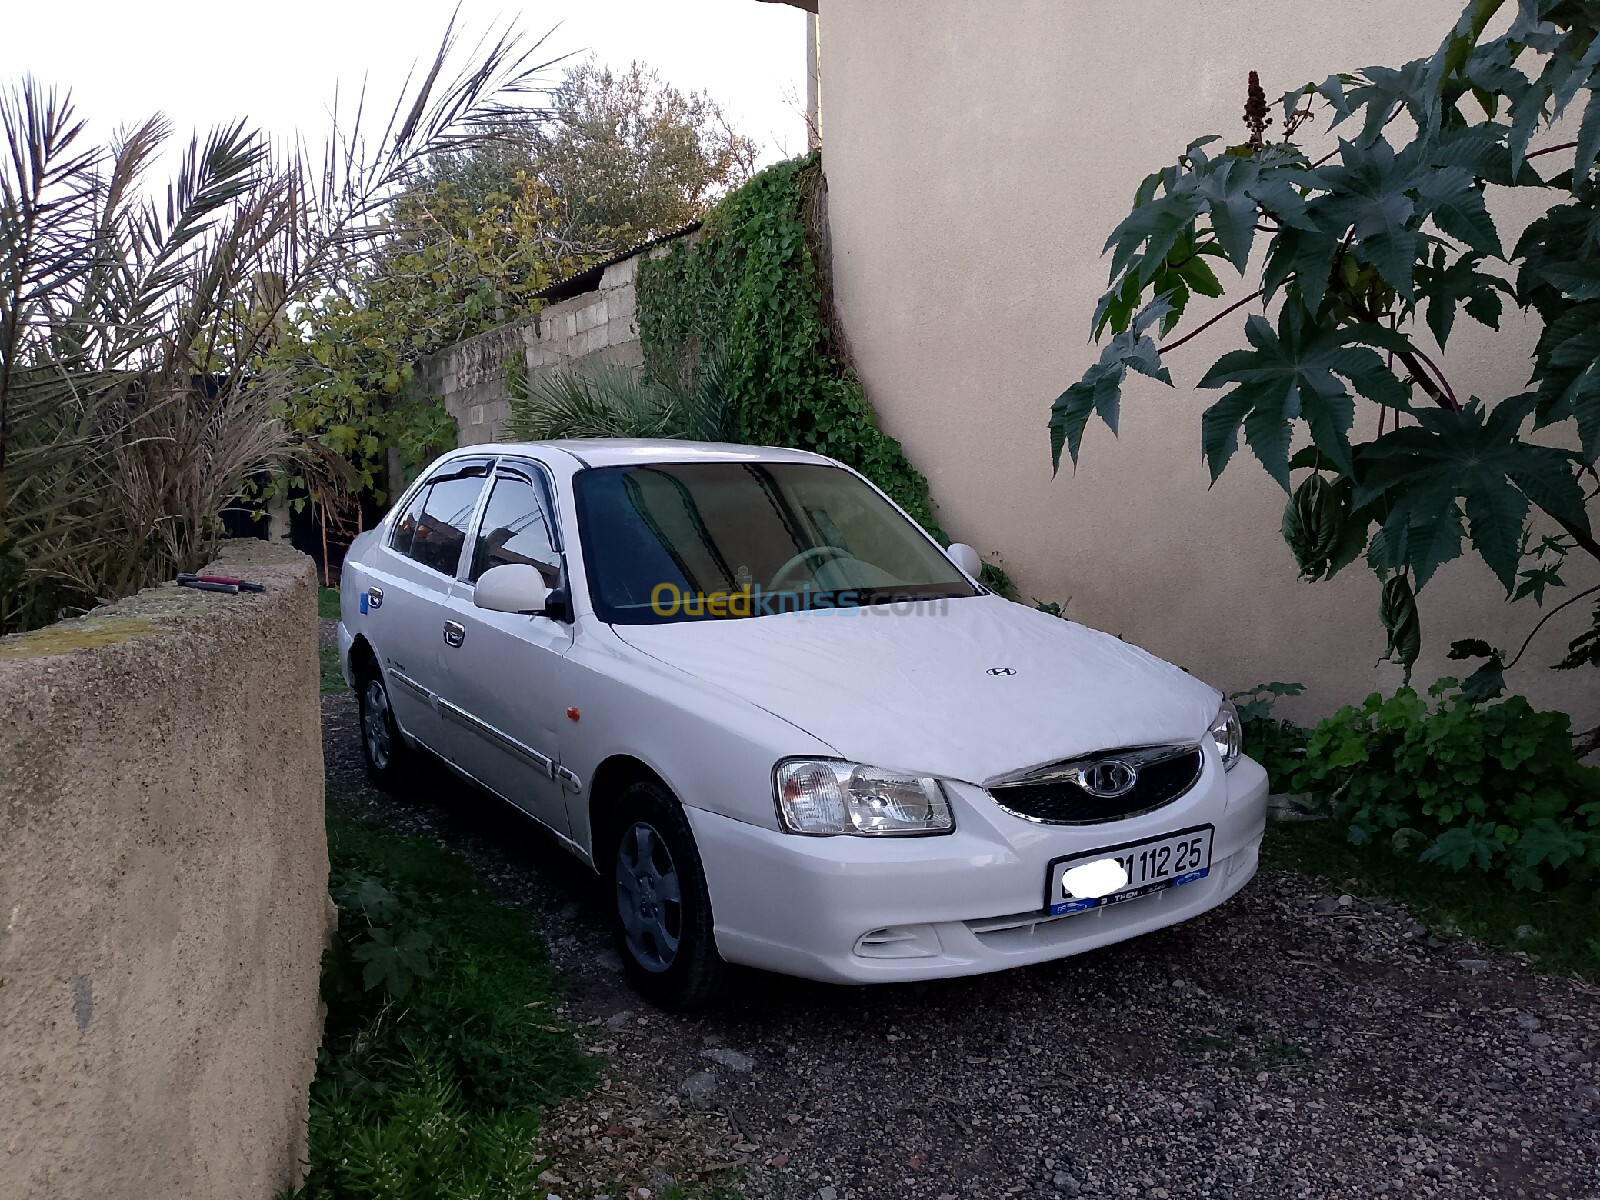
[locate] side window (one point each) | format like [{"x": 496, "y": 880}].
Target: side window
[
  {"x": 516, "y": 528},
  {"x": 441, "y": 529},
  {"x": 405, "y": 529}
]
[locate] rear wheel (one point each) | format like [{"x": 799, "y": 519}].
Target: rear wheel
[
  {"x": 662, "y": 906},
  {"x": 383, "y": 749}
]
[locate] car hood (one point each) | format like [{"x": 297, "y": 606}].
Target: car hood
[{"x": 969, "y": 689}]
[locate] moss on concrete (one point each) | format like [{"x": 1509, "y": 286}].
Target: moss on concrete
[
  {"x": 160, "y": 608},
  {"x": 66, "y": 636}
]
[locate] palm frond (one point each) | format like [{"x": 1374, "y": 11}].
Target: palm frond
[
  {"x": 134, "y": 405},
  {"x": 605, "y": 401}
]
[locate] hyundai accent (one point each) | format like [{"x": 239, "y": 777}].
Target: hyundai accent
[{"x": 786, "y": 727}]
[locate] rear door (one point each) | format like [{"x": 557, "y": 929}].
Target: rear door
[
  {"x": 501, "y": 687},
  {"x": 409, "y": 590}
]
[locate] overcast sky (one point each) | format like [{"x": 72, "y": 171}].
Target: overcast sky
[{"x": 202, "y": 62}]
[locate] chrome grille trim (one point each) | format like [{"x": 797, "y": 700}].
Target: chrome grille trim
[{"x": 1054, "y": 794}]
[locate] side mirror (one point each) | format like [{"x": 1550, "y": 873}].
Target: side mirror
[
  {"x": 512, "y": 588},
  {"x": 965, "y": 557}
]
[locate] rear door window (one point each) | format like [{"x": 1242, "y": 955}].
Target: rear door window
[
  {"x": 442, "y": 527},
  {"x": 405, "y": 529}
]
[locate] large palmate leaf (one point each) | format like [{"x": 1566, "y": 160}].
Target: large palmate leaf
[
  {"x": 1381, "y": 91},
  {"x": 1472, "y": 459},
  {"x": 1200, "y": 205},
  {"x": 1567, "y": 363},
  {"x": 1100, "y": 389},
  {"x": 1183, "y": 272},
  {"x": 1446, "y": 286},
  {"x": 1560, "y": 278},
  {"x": 1418, "y": 537},
  {"x": 1301, "y": 370},
  {"x": 1372, "y": 195}
]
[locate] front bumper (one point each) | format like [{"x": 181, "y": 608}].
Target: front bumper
[{"x": 863, "y": 910}]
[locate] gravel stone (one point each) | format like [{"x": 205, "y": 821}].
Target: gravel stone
[
  {"x": 1474, "y": 966},
  {"x": 699, "y": 1087},
  {"x": 731, "y": 1059}
]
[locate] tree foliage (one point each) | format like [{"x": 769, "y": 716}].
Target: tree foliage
[
  {"x": 443, "y": 270},
  {"x": 606, "y": 160},
  {"x": 1372, "y": 254},
  {"x": 630, "y": 157},
  {"x": 623, "y": 156}
]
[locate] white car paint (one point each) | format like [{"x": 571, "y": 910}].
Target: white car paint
[{"x": 710, "y": 707}]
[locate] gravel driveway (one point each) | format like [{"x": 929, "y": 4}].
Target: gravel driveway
[{"x": 1289, "y": 1044}]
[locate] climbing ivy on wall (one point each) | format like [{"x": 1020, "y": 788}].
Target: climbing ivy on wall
[{"x": 749, "y": 294}]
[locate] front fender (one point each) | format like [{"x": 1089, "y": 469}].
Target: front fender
[{"x": 714, "y": 750}]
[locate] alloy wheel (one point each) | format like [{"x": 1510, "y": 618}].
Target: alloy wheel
[
  {"x": 375, "y": 724},
  {"x": 649, "y": 899}
]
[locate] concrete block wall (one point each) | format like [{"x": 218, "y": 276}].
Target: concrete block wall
[
  {"x": 163, "y": 892},
  {"x": 593, "y": 328}
]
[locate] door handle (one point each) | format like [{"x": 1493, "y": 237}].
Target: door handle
[{"x": 454, "y": 633}]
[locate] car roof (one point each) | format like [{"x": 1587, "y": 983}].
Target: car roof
[{"x": 610, "y": 452}]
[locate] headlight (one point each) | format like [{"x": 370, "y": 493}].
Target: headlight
[
  {"x": 825, "y": 796},
  {"x": 1229, "y": 734}
]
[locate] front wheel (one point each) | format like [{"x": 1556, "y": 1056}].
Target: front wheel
[{"x": 663, "y": 908}]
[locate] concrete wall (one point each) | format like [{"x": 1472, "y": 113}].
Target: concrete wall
[
  {"x": 596, "y": 327},
  {"x": 163, "y": 892},
  {"x": 977, "y": 154}
]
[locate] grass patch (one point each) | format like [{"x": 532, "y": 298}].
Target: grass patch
[
  {"x": 332, "y": 679},
  {"x": 328, "y": 603},
  {"x": 1565, "y": 922},
  {"x": 441, "y": 1045}
]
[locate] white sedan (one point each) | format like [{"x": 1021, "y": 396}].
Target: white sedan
[{"x": 787, "y": 728}]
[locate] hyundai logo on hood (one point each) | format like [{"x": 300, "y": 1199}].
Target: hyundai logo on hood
[{"x": 1001, "y": 671}]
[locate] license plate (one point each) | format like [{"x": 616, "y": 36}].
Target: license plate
[{"x": 1152, "y": 864}]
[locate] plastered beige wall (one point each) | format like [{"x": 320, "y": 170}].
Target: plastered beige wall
[
  {"x": 163, "y": 893},
  {"x": 977, "y": 153}
]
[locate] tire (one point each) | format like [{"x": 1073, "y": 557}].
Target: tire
[
  {"x": 661, "y": 907},
  {"x": 383, "y": 749}
]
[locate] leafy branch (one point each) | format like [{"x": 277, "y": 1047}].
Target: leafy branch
[{"x": 1373, "y": 250}]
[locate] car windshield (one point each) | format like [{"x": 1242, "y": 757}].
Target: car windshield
[{"x": 709, "y": 540}]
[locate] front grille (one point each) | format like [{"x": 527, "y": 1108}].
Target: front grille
[{"x": 1056, "y": 794}]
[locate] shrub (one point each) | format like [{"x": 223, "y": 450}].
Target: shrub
[
  {"x": 1491, "y": 786},
  {"x": 611, "y": 401},
  {"x": 1278, "y": 745}
]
